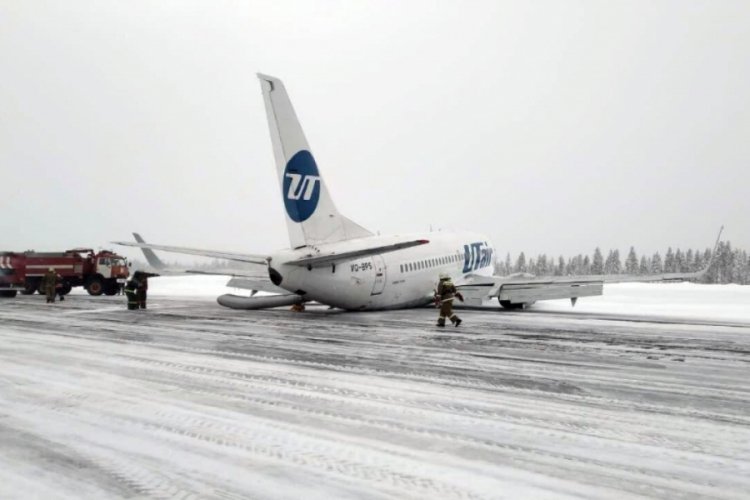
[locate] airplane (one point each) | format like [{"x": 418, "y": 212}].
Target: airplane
[
  {"x": 241, "y": 277},
  {"x": 334, "y": 261}
]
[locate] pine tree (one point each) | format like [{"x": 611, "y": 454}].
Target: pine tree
[
  {"x": 631, "y": 263},
  {"x": 560, "y": 270},
  {"x": 679, "y": 261},
  {"x": 586, "y": 266},
  {"x": 541, "y": 265},
  {"x": 669, "y": 261},
  {"x": 645, "y": 266},
  {"x": 520, "y": 264},
  {"x": 698, "y": 262},
  {"x": 508, "y": 265},
  {"x": 738, "y": 267},
  {"x": 712, "y": 273},
  {"x": 616, "y": 262},
  {"x": 597, "y": 265},
  {"x": 656, "y": 265},
  {"x": 613, "y": 265},
  {"x": 725, "y": 262}
]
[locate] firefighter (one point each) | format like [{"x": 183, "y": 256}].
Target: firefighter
[
  {"x": 131, "y": 292},
  {"x": 141, "y": 278},
  {"x": 49, "y": 283},
  {"x": 446, "y": 292}
]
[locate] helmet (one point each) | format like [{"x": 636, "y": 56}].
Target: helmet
[
  {"x": 51, "y": 269},
  {"x": 445, "y": 276}
]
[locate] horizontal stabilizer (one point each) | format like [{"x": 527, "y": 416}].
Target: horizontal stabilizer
[
  {"x": 320, "y": 260},
  {"x": 264, "y": 302},
  {"x": 239, "y": 257}
]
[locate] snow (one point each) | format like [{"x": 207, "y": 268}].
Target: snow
[
  {"x": 673, "y": 300},
  {"x": 614, "y": 398}
]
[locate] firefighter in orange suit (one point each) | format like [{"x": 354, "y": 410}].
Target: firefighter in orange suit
[{"x": 446, "y": 292}]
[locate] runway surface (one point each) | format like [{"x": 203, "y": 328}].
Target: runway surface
[{"x": 191, "y": 400}]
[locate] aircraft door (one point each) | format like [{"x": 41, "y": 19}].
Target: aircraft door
[{"x": 378, "y": 265}]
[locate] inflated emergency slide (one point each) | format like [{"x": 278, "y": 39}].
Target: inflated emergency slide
[{"x": 264, "y": 302}]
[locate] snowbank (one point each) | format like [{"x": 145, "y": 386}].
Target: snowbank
[{"x": 683, "y": 300}]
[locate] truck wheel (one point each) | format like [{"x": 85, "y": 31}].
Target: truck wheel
[
  {"x": 66, "y": 288},
  {"x": 110, "y": 289},
  {"x": 30, "y": 286},
  {"x": 95, "y": 286},
  {"x": 8, "y": 294},
  {"x": 507, "y": 304}
]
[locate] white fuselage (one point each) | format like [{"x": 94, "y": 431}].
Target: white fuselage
[{"x": 392, "y": 280}]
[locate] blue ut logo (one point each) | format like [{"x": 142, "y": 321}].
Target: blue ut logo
[
  {"x": 301, "y": 187},
  {"x": 477, "y": 255}
]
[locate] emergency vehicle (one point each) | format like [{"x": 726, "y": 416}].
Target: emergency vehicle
[{"x": 98, "y": 272}]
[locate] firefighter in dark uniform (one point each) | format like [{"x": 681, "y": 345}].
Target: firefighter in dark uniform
[
  {"x": 131, "y": 292},
  {"x": 49, "y": 284},
  {"x": 141, "y": 278},
  {"x": 446, "y": 292}
]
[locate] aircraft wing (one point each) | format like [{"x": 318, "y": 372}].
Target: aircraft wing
[
  {"x": 321, "y": 260},
  {"x": 239, "y": 257},
  {"x": 514, "y": 290},
  {"x": 518, "y": 290},
  {"x": 240, "y": 278}
]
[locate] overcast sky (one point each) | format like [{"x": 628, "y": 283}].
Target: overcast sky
[{"x": 548, "y": 126}]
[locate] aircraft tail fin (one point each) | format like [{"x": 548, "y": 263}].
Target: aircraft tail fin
[
  {"x": 312, "y": 217},
  {"x": 151, "y": 257}
]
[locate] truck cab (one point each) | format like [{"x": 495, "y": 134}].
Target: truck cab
[{"x": 109, "y": 272}]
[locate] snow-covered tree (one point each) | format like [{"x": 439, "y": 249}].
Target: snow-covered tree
[
  {"x": 597, "y": 264},
  {"x": 669, "y": 261},
  {"x": 679, "y": 262},
  {"x": 645, "y": 266},
  {"x": 656, "y": 265},
  {"x": 612, "y": 264},
  {"x": 631, "y": 263},
  {"x": 520, "y": 266}
]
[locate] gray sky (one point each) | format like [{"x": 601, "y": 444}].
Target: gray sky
[{"x": 549, "y": 126}]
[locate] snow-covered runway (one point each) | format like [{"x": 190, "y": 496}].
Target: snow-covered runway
[{"x": 190, "y": 400}]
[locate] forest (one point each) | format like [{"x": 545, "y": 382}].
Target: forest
[{"x": 731, "y": 265}]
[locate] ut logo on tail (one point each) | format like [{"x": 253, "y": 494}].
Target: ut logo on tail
[
  {"x": 305, "y": 190},
  {"x": 301, "y": 186}
]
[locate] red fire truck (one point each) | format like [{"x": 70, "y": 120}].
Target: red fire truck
[{"x": 98, "y": 272}]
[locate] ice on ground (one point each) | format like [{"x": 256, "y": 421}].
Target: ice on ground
[{"x": 191, "y": 400}]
